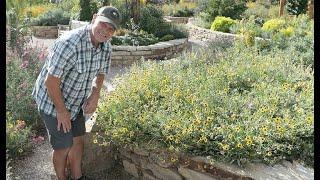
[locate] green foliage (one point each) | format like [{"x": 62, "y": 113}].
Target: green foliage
[
  {"x": 227, "y": 8},
  {"x": 17, "y": 137},
  {"x": 223, "y": 24},
  {"x": 167, "y": 37},
  {"x": 179, "y": 10},
  {"x": 87, "y": 9},
  {"x": 21, "y": 74},
  {"x": 151, "y": 18},
  {"x": 52, "y": 18},
  {"x": 273, "y": 25},
  {"x": 297, "y": 7},
  {"x": 134, "y": 39},
  {"x": 177, "y": 30},
  {"x": 237, "y": 105}
]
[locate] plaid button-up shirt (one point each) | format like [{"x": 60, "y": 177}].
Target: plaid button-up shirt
[{"x": 76, "y": 62}]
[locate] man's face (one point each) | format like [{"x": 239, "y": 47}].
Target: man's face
[{"x": 102, "y": 31}]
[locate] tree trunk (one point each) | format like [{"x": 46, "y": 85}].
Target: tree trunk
[
  {"x": 135, "y": 10},
  {"x": 311, "y": 9},
  {"x": 282, "y": 4}
]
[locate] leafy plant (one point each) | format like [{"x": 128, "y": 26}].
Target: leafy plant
[
  {"x": 151, "y": 18},
  {"x": 17, "y": 137},
  {"x": 87, "y": 9},
  {"x": 134, "y": 39},
  {"x": 217, "y": 105},
  {"x": 177, "y": 30},
  {"x": 52, "y": 18},
  {"x": 223, "y": 24},
  {"x": 297, "y": 7}
]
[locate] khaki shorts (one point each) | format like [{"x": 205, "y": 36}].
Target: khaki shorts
[{"x": 59, "y": 139}]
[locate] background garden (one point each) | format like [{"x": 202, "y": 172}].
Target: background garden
[{"x": 252, "y": 101}]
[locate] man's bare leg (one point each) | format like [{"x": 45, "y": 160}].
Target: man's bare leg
[
  {"x": 59, "y": 162},
  {"x": 75, "y": 157}
]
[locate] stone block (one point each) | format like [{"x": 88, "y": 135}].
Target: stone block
[
  {"x": 147, "y": 175},
  {"x": 96, "y": 158},
  {"x": 140, "y": 151},
  {"x": 189, "y": 174},
  {"x": 120, "y": 53},
  {"x": 164, "y": 173},
  {"x": 130, "y": 168},
  {"x": 140, "y": 53}
]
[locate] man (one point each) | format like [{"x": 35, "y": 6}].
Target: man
[{"x": 65, "y": 91}]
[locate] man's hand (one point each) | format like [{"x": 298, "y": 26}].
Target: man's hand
[
  {"x": 90, "y": 104},
  {"x": 64, "y": 121}
]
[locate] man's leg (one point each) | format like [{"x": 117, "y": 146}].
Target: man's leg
[
  {"x": 75, "y": 157},
  {"x": 76, "y": 151},
  {"x": 59, "y": 162}
]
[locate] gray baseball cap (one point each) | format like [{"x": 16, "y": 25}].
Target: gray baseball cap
[{"x": 110, "y": 15}]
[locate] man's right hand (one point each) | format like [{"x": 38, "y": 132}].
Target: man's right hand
[{"x": 64, "y": 121}]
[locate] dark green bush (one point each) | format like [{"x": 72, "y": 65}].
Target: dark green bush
[
  {"x": 52, "y": 18},
  {"x": 227, "y": 8},
  {"x": 177, "y": 30},
  {"x": 167, "y": 37},
  {"x": 183, "y": 13},
  {"x": 297, "y": 7},
  {"x": 87, "y": 9},
  {"x": 151, "y": 18}
]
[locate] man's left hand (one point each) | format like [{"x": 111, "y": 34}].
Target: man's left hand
[{"x": 90, "y": 104}]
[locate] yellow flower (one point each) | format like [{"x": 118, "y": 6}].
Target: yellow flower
[
  {"x": 269, "y": 153},
  {"x": 225, "y": 147},
  {"x": 173, "y": 159},
  {"x": 239, "y": 145},
  {"x": 277, "y": 120},
  {"x": 95, "y": 141},
  {"x": 20, "y": 150}
]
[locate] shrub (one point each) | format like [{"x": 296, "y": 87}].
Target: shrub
[
  {"x": 134, "y": 39},
  {"x": 297, "y": 7},
  {"x": 17, "y": 137},
  {"x": 37, "y": 10},
  {"x": 177, "y": 30},
  {"x": 167, "y": 37},
  {"x": 227, "y": 8},
  {"x": 258, "y": 11},
  {"x": 179, "y": 10},
  {"x": 223, "y": 24},
  {"x": 239, "y": 106},
  {"x": 52, "y": 18},
  {"x": 85, "y": 10},
  {"x": 273, "y": 25},
  {"x": 21, "y": 74},
  {"x": 151, "y": 18}
]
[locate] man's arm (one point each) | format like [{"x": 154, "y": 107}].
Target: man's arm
[
  {"x": 91, "y": 103},
  {"x": 63, "y": 115}
]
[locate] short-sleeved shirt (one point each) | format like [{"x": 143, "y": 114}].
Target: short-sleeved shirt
[{"x": 76, "y": 62}]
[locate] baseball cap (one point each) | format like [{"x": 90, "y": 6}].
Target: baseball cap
[{"x": 110, "y": 15}]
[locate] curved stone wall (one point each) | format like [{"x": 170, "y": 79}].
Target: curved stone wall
[{"x": 127, "y": 55}]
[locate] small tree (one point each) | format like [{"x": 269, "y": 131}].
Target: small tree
[{"x": 85, "y": 10}]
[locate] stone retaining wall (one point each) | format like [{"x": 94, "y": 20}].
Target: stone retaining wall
[
  {"x": 49, "y": 32},
  {"x": 127, "y": 55},
  {"x": 154, "y": 165}
]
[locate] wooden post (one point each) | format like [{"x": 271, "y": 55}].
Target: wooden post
[
  {"x": 282, "y": 4},
  {"x": 135, "y": 10},
  {"x": 311, "y": 8}
]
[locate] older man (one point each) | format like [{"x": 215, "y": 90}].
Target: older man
[{"x": 65, "y": 91}]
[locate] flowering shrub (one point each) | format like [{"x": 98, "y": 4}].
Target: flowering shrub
[
  {"x": 17, "y": 136},
  {"x": 237, "y": 105},
  {"x": 223, "y": 24},
  {"x": 21, "y": 74},
  {"x": 273, "y": 25},
  {"x": 37, "y": 10}
]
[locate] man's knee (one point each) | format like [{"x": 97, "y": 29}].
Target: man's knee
[
  {"x": 61, "y": 152},
  {"x": 78, "y": 141}
]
